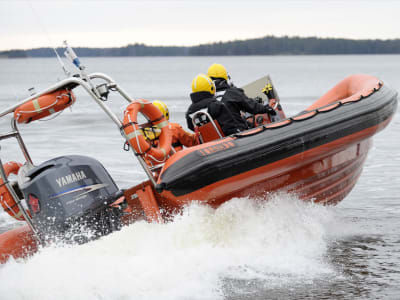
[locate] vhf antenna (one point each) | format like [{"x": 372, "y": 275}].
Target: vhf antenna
[
  {"x": 48, "y": 38},
  {"x": 68, "y": 73},
  {"x": 71, "y": 55}
]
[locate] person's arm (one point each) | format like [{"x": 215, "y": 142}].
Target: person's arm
[
  {"x": 252, "y": 106},
  {"x": 187, "y": 139}
]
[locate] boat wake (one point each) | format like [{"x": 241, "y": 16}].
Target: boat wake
[{"x": 275, "y": 242}]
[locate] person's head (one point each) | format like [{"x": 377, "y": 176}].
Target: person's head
[
  {"x": 162, "y": 107},
  {"x": 203, "y": 83},
  {"x": 217, "y": 71}
]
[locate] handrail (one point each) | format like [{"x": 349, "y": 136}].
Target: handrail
[
  {"x": 76, "y": 81},
  {"x": 209, "y": 120},
  {"x": 8, "y": 135},
  {"x": 110, "y": 80},
  {"x": 69, "y": 81},
  {"x": 21, "y": 142}
]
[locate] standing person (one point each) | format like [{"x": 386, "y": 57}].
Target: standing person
[
  {"x": 234, "y": 98},
  {"x": 203, "y": 99}
]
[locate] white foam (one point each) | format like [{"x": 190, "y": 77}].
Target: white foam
[{"x": 276, "y": 242}]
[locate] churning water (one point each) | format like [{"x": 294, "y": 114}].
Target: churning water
[{"x": 245, "y": 249}]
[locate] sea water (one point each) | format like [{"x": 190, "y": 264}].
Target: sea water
[{"x": 245, "y": 249}]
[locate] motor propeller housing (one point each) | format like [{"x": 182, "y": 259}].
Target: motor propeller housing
[{"x": 69, "y": 196}]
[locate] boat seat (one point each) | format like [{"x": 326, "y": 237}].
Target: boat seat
[{"x": 206, "y": 128}]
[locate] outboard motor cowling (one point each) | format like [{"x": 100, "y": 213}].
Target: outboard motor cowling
[{"x": 69, "y": 193}]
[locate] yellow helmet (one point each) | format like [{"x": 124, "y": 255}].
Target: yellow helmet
[
  {"x": 162, "y": 107},
  {"x": 217, "y": 71},
  {"x": 203, "y": 83}
]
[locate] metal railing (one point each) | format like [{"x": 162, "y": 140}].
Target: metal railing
[
  {"x": 197, "y": 116},
  {"x": 109, "y": 84}
]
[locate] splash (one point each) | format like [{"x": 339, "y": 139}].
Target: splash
[{"x": 189, "y": 258}]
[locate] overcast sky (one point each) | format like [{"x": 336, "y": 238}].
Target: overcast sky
[{"x": 31, "y": 23}]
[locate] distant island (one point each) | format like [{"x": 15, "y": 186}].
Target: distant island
[{"x": 269, "y": 45}]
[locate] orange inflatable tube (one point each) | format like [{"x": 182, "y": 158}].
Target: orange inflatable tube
[
  {"x": 17, "y": 243},
  {"x": 142, "y": 202},
  {"x": 351, "y": 88}
]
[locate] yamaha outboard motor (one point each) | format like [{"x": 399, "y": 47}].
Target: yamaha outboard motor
[{"x": 69, "y": 198}]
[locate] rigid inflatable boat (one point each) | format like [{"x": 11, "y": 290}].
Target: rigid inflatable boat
[{"x": 317, "y": 154}]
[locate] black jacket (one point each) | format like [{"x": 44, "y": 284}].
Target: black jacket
[
  {"x": 217, "y": 110},
  {"x": 236, "y": 101}
]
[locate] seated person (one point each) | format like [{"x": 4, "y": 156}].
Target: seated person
[
  {"x": 234, "y": 98},
  {"x": 202, "y": 96},
  {"x": 180, "y": 137}
]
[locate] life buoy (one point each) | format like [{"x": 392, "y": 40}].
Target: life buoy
[
  {"x": 44, "y": 106},
  {"x": 135, "y": 136},
  {"x": 6, "y": 200}
]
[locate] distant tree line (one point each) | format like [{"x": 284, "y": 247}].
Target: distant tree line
[{"x": 268, "y": 45}]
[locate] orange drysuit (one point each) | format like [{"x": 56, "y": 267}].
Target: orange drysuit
[{"x": 180, "y": 137}]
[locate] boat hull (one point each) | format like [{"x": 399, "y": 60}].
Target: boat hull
[
  {"x": 318, "y": 155},
  {"x": 17, "y": 243}
]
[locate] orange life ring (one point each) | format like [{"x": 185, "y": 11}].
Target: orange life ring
[
  {"x": 44, "y": 106},
  {"x": 135, "y": 136},
  {"x": 6, "y": 200}
]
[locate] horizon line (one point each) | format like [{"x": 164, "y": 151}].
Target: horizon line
[{"x": 209, "y": 43}]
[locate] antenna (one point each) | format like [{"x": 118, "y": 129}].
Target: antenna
[
  {"x": 71, "y": 55},
  {"x": 49, "y": 40},
  {"x": 68, "y": 73}
]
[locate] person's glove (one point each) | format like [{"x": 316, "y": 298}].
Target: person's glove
[
  {"x": 270, "y": 110},
  {"x": 268, "y": 90}
]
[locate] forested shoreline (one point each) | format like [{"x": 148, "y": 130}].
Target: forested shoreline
[{"x": 269, "y": 45}]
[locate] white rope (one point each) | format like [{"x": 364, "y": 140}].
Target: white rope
[
  {"x": 53, "y": 117},
  {"x": 153, "y": 158}
]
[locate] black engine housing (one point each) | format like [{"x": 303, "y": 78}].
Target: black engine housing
[{"x": 70, "y": 195}]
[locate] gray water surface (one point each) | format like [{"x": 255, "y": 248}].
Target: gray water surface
[{"x": 355, "y": 256}]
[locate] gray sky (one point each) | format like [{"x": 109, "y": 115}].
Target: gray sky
[{"x": 31, "y": 23}]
